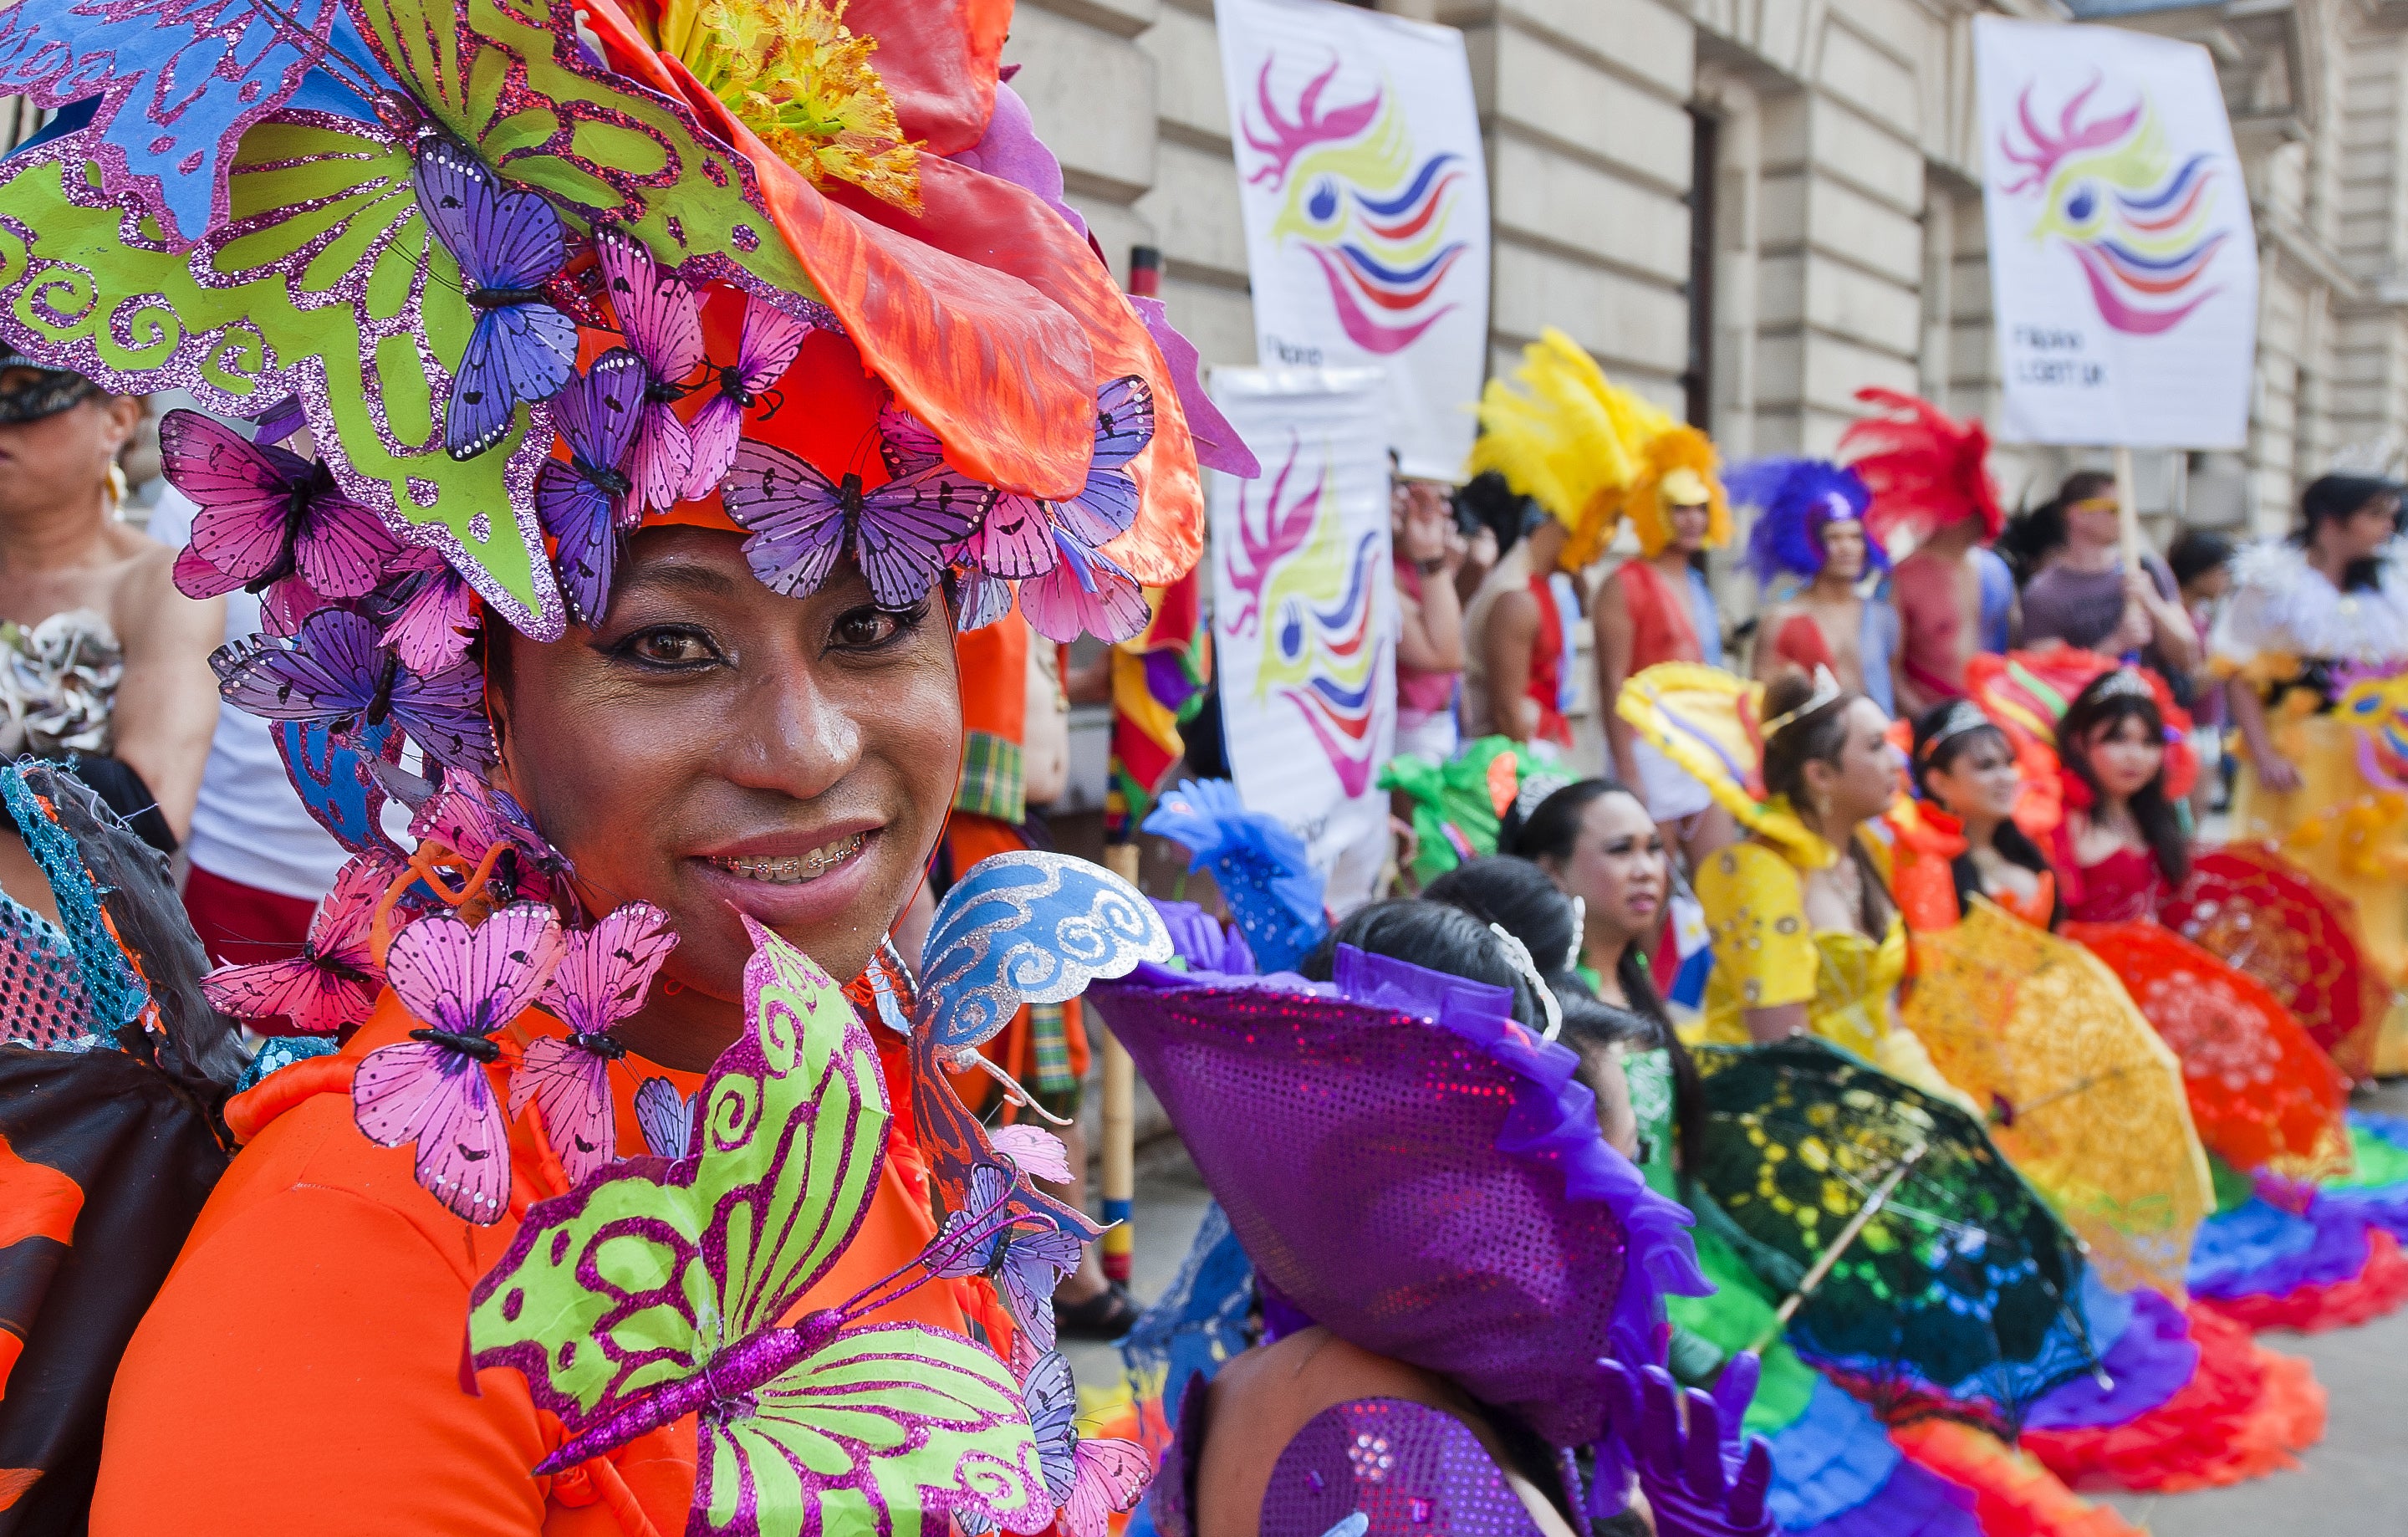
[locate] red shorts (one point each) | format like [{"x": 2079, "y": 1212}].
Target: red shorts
[{"x": 243, "y": 925}]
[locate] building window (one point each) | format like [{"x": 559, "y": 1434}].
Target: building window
[{"x": 1698, "y": 380}]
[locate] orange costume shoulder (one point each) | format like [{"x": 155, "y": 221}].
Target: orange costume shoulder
[{"x": 302, "y": 1369}]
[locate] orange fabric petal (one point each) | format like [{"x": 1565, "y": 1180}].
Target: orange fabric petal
[
  {"x": 937, "y": 60},
  {"x": 1008, "y": 228}
]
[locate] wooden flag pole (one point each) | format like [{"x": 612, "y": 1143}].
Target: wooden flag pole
[{"x": 2128, "y": 510}]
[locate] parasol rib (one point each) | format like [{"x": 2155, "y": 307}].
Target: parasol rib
[{"x": 1830, "y": 1257}]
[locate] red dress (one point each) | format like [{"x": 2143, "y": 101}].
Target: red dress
[{"x": 1545, "y": 688}]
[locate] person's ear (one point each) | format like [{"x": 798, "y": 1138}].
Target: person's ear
[{"x": 123, "y": 413}]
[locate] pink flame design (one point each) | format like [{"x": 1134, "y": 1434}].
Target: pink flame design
[
  {"x": 1291, "y": 137},
  {"x": 2070, "y": 138},
  {"x": 1285, "y": 525}
]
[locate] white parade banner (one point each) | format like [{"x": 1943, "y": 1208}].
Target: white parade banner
[
  {"x": 2122, "y": 261},
  {"x": 1364, "y": 196},
  {"x": 1304, "y": 612}
]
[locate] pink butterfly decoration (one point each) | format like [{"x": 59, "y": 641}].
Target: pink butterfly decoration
[
  {"x": 431, "y": 612},
  {"x": 469, "y": 817},
  {"x": 1086, "y": 593},
  {"x": 432, "y": 1090},
  {"x": 770, "y": 340},
  {"x": 662, "y": 322},
  {"x": 1037, "y": 1152},
  {"x": 601, "y": 979},
  {"x": 332, "y": 983}
]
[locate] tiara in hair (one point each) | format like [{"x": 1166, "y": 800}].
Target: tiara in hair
[
  {"x": 1536, "y": 788},
  {"x": 2125, "y": 680},
  {"x": 1963, "y": 716},
  {"x": 1518, "y": 954},
  {"x": 1826, "y": 688}
]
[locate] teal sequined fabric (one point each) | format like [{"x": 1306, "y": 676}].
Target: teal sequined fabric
[
  {"x": 282, "y": 1050},
  {"x": 69, "y": 990}
]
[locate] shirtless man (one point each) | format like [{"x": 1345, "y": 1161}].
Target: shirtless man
[{"x": 1954, "y": 596}]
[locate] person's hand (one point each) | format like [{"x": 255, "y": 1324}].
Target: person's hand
[
  {"x": 2277, "y": 774},
  {"x": 1706, "y": 1479},
  {"x": 1457, "y": 550},
  {"x": 2135, "y": 629}
]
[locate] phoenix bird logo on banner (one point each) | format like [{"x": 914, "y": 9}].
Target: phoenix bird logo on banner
[
  {"x": 1373, "y": 215},
  {"x": 2136, "y": 219},
  {"x": 1306, "y": 599}
]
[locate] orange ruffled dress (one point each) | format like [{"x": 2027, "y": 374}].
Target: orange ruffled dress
[{"x": 304, "y": 1368}]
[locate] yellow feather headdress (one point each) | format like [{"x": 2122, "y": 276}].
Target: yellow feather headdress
[{"x": 1589, "y": 451}]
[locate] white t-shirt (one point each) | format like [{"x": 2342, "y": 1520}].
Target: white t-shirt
[{"x": 250, "y": 825}]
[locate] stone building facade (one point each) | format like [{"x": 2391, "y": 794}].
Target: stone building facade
[{"x": 1751, "y": 208}]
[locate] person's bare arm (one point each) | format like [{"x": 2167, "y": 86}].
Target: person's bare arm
[
  {"x": 167, "y": 703},
  {"x": 1778, "y": 1023},
  {"x": 1512, "y": 627},
  {"x": 1611, "y": 626},
  {"x": 1441, "y": 610},
  {"x": 1415, "y": 650},
  {"x": 2276, "y": 772},
  {"x": 2171, "y": 633},
  {"x": 1765, "y": 663}
]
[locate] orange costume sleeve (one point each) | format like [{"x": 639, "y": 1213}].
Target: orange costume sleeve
[{"x": 301, "y": 1370}]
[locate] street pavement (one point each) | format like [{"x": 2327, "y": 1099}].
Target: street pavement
[{"x": 2355, "y": 1481}]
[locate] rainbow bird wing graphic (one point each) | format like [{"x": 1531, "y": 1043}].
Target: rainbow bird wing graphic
[
  {"x": 2135, "y": 219},
  {"x": 1375, "y": 216},
  {"x": 1306, "y": 599}
]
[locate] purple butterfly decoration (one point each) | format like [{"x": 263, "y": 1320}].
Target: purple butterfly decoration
[
  {"x": 983, "y": 600},
  {"x": 170, "y": 86},
  {"x": 1085, "y": 591},
  {"x": 432, "y": 1090},
  {"x": 582, "y": 501},
  {"x": 264, "y": 515},
  {"x": 658, "y": 314},
  {"x": 1025, "y": 1265},
  {"x": 666, "y": 1117},
  {"x": 1091, "y": 1479},
  {"x": 509, "y": 244},
  {"x": 900, "y": 533},
  {"x": 766, "y": 349},
  {"x": 470, "y": 818},
  {"x": 1106, "y": 507},
  {"x": 601, "y": 979},
  {"x": 333, "y": 671},
  {"x": 428, "y": 612}
]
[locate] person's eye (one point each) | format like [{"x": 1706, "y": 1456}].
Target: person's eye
[
  {"x": 668, "y": 646},
  {"x": 870, "y": 628}
]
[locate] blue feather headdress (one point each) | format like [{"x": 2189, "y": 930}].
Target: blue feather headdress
[{"x": 1794, "y": 498}]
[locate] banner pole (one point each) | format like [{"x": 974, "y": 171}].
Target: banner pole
[
  {"x": 1120, "y": 1074},
  {"x": 1118, "y": 1121},
  {"x": 2128, "y": 510}
]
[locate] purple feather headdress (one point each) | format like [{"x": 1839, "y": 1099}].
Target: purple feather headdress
[{"x": 1794, "y": 498}]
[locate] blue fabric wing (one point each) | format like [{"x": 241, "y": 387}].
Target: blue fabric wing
[
  {"x": 332, "y": 778},
  {"x": 1027, "y": 927},
  {"x": 1262, "y": 869},
  {"x": 173, "y": 86}
]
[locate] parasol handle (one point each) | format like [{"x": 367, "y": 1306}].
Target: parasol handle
[
  {"x": 2128, "y": 508},
  {"x": 1830, "y": 1257}
]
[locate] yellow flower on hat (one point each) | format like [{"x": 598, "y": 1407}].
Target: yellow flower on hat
[{"x": 794, "y": 74}]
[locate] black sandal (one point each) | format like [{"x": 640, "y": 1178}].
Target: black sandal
[{"x": 1106, "y": 1316}]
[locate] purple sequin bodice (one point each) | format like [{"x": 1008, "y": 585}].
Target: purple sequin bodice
[{"x": 1414, "y": 1471}]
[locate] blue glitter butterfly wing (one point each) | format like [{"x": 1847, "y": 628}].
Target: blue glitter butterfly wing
[
  {"x": 1028, "y": 927},
  {"x": 331, "y": 775},
  {"x": 172, "y": 87}
]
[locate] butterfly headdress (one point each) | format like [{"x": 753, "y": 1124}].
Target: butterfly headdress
[{"x": 534, "y": 273}]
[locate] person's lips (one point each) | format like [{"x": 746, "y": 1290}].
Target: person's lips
[{"x": 788, "y": 880}]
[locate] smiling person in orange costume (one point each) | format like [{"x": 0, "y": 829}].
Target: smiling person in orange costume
[{"x": 713, "y": 734}]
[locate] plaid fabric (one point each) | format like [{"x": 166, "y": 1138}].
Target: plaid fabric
[
  {"x": 1052, "y": 1082},
  {"x": 994, "y": 784}
]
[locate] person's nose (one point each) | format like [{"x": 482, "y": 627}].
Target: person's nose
[{"x": 790, "y": 734}]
